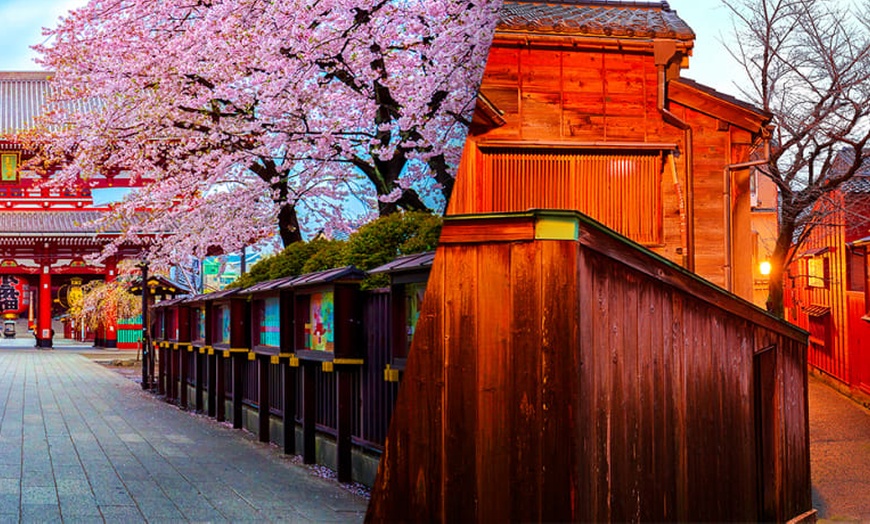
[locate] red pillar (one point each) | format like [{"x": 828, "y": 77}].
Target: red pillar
[
  {"x": 111, "y": 330},
  {"x": 43, "y": 323}
]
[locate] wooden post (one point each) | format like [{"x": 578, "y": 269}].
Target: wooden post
[
  {"x": 288, "y": 374},
  {"x": 172, "y": 374},
  {"x": 199, "y": 359},
  {"x": 264, "y": 400},
  {"x": 212, "y": 361},
  {"x": 221, "y": 388},
  {"x": 309, "y": 419},
  {"x": 344, "y": 383},
  {"x": 184, "y": 371},
  {"x": 161, "y": 378},
  {"x": 238, "y": 394}
]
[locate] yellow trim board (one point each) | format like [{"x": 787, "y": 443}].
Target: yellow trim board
[
  {"x": 557, "y": 228},
  {"x": 348, "y": 361}
]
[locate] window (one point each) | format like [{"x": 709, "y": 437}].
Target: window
[
  {"x": 856, "y": 269},
  {"x": 820, "y": 330},
  {"x": 319, "y": 327},
  {"x": 268, "y": 322},
  {"x": 620, "y": 190},
  {"x": 198, "y": 317},
  {"x": 172, "y": 323},
  {"x": 221, "y": 329},
  {"x": 818, "y": 272},
  {"x": 413, "y": 303}
]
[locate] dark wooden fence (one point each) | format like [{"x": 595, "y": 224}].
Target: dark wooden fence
[
  {"x": 234, "y": 358},
  {"x": 562, "y": 373}
]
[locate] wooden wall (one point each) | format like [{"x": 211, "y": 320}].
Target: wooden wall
[
  {"x": 570, "y": 100},
  {"x": 827, "y": 241},
  {"x": 582, "y": 379},
  {"x": 845, "y": 356}
]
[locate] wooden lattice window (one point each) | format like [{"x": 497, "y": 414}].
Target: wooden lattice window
[
  {"x": 820, "y": 330},
  {"x": 621, "y": 190}
]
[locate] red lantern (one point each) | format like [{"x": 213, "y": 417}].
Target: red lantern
[{"x": 13, "y": 294}]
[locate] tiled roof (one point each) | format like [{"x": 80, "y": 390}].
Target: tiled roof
[
  {"x": 47, "y": 222},
  {"x": 413, "y": 262},
  {"x": 325, "y": 277},
  {"x": 22, "y": 96},
  {"x": 860, "y": 183},
  {"x": 606, "y": 18},
  {"x": 857, "y": 184}
]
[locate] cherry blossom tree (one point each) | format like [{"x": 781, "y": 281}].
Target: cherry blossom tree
[{"x": 247, "y": 114}]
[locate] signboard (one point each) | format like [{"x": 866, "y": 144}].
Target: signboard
[{"x": 9, "y": 167}]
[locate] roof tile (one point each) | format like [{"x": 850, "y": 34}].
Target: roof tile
[
  {"x": 37, "y": 222},
  {"x": 595, "y": 18}
]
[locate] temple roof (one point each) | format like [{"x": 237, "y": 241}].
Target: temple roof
[
  {"x": 22, "y": 96},
  {"x": 603, "y": 18},
  {"x": 34, "y": 223}
]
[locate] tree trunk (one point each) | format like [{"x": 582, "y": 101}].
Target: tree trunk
[
  {"x": 780, "y": 260},
  {"x": 288, "y": 225}
]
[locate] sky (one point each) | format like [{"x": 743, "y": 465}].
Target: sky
[
  {"x": 23, "y": 21},
  {"x": 710, "y": 63}
]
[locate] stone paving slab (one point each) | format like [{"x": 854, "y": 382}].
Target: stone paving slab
[
  {"x": 839, "y": 455},
  {"x": 79, "y": 443}
]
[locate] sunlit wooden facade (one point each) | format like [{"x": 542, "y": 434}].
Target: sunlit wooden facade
[
  {"x": 583, "y": 107},
  {"x": 561, "y": 372}
]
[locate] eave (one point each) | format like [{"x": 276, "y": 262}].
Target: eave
[{"x": 717, "y": 105}]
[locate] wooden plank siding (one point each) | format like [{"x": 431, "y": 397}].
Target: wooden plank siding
[
  {"x": 585, "y": 379},
  {"x": 836, "y": 316},
  {"x": 566, "y": 108}
]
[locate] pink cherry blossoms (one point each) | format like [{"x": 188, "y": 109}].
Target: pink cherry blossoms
[{"x": 254, "y": 117}]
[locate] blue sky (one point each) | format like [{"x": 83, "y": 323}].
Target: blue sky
[{"x": 23, "y": 21}]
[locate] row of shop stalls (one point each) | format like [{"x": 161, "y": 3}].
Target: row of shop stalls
[{"x": 310, "y": 363}]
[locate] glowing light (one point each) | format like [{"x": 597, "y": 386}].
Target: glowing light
[{"x": 764, "y": 268}]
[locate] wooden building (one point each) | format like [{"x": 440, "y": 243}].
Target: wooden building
[
  {"x": 827, "y": 286},
  {"x": 560, "y": 372},
  {"x": 583, "y": 107},
  {"x": 45, "y": 236}
]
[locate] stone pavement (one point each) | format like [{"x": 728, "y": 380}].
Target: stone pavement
[
  {"x": 79, "y": 443},
  {"x": 839, "y": 455}
]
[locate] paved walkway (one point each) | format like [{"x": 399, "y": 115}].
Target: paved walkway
[
  {"x": 79, "y": 443},
  {"x": 840, "y": 455}
]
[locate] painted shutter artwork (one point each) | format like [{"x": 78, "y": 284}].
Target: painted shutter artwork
[
  {"x": 270, "y": 323},
  {"x": 622, "y": 191}
]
